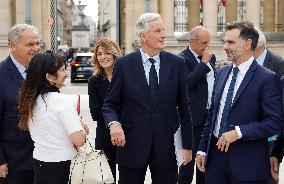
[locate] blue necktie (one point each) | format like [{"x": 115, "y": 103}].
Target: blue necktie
[
  {"x": 153, "y": 79},
  {"x": 228, "y": 103}
]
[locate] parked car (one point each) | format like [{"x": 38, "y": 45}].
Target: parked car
[{"x": 81, "y": 67}]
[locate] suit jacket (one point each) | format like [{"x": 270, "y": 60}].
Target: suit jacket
[
  {"x": 16, "y": 146},
  {"x": 197, "y": 85},
  {"x": 98, "y": 90},
  {"x": 277, "y": 148},
  {"x": 274, "y": 63},
  {"x": 258, "y": 111},
  {"x": 148, "y": 122}
]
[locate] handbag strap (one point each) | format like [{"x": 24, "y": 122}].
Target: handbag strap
[{"x": 85, "y": 161}]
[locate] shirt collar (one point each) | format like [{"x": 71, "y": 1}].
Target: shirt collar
[
  {"x": 145, "y": 56},
  {"x": 260, "y": 59},
  {"x": 243, "y": 68},
  {"x": 194, "y": 53},
  {"x": 20, "y": 67}
]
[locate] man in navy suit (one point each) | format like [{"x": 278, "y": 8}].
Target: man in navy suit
[
  {"x": 147, "y": 91},
  {"x": 246, "y": 109},
  {"x": 16, "y": 146},
  {"x": 200, "y": 64}
]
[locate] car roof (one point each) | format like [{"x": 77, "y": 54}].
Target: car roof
[{"x": 85, "y": 54}]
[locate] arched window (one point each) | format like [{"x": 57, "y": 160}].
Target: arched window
[
  {"x": 241, "y": 10},
  {"x": 181, "y": 16},
  {"x": 221, "y": 19}
]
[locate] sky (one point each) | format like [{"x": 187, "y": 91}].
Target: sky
[{"x": 91, "y": 8}]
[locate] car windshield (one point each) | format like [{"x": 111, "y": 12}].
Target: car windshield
[{"x": 82, "y": 58}]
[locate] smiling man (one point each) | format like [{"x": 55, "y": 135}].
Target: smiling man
[
  {"x": 246, "y": 109},
  {"x": 16, "y": 146},
  {"x": 147, "y": 88}
]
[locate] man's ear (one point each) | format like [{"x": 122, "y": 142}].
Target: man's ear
[
  {"x": 12, "y": 46},
  {"x": 248, "y": 44},
  {"x": 143, "y": 36}
]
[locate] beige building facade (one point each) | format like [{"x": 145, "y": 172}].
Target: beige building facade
[
  {"x": 181, "y": 15},
  {"x": 13, "y": 12}
]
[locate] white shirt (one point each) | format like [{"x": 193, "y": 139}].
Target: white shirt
[
  {"x": 243, "y": 68},
  {"x": 210, "y": 79},
  {"x": 261, "y": 57},
  {"x": 20, "y": 67},
  {"x": 51, "y": 125},
  {"x": 147, "y": 64}
]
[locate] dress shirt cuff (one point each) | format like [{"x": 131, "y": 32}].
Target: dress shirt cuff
[
  {"x": 238, "y": 132},
  {"x": 112, "y": 123},
  {"x": 201, "y": 153}
]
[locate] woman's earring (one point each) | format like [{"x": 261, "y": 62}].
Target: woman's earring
[{"x": 52, "y": 82}]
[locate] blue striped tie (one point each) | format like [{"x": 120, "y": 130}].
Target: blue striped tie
[{"x": 228, "y": 103}]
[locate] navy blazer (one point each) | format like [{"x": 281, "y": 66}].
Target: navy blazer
[
  {"x": 197, "y": 85},
  {"x": 258, "y": 111},
  {"x": 16, "y": 146},
  {"x": 145, "y": 122},
  {"x": 98, "y": 90}
]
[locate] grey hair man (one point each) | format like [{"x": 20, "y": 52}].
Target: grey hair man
[
  {"x": 16, "y": 146},
  {"x": 200, "y": 65},
  {"x": 147, "y": 88},
  {"x": 275, "y": 63},
  {"x": 266, "y": 57}
]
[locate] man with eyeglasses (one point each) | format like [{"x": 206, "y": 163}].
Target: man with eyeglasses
[{"x": 16, "y": 146}]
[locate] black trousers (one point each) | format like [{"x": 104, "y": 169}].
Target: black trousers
[
  {"x": 186, "y": 171},
  {"x": 137, "y": 176},
  {"x": 51, "y": 172},
  {"x": 18, "y": 177},
  {"x": 111, "y": 156}
]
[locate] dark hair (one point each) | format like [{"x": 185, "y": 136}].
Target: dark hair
[
  {"x": 36, "y": 83},
  {"x": 247, "y": 31}
]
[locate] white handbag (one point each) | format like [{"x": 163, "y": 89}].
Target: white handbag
[{"x": 90, "y": 166}]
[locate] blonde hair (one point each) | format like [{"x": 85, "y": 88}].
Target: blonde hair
[{"x": 111, "y": 47}]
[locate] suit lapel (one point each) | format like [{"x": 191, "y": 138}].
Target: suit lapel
[
  {"x": 220, "y": 85},
  {"x": 267, "y": 59},
  {"x": 14, "y": 72},
  {"x": 190, "y": 55},
  {"x": 139, "y": 72},
  {"x": 164, "y": 73},
  {"x": 245, "y": 81}
]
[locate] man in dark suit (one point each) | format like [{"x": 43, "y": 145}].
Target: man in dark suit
[
  {"x": 200, "y": 64},
  {"x": 16, "y": 146},
  {"x": 277, "y": 149},
  {"x": 147, "y": 89},
  {"x": 246, "y": 109},
  {"x": 273, "y": 62},
  {"x": 267, "y": 58}
]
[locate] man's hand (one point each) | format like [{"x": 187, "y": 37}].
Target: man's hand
[
  {"x": 206, "y": 56},
  {"x": 200, "y": 162},
  {"x": 186, "y": 156},
  {"x": 274, "y": 168},
  {"x": 3, "y": 170},
  {"x": 226, "y": 139},
  {"x": 117, "y": 134}
]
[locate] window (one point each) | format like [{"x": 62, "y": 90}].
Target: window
[{"x": 181, "y": 16}]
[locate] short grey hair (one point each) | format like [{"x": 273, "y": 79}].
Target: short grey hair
[
  {"x": 194, "y": 33},
  {"x": 261, "y": 39},
  {"x": 142, "y": 24},
  {"x": 16, "y": 31}
]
